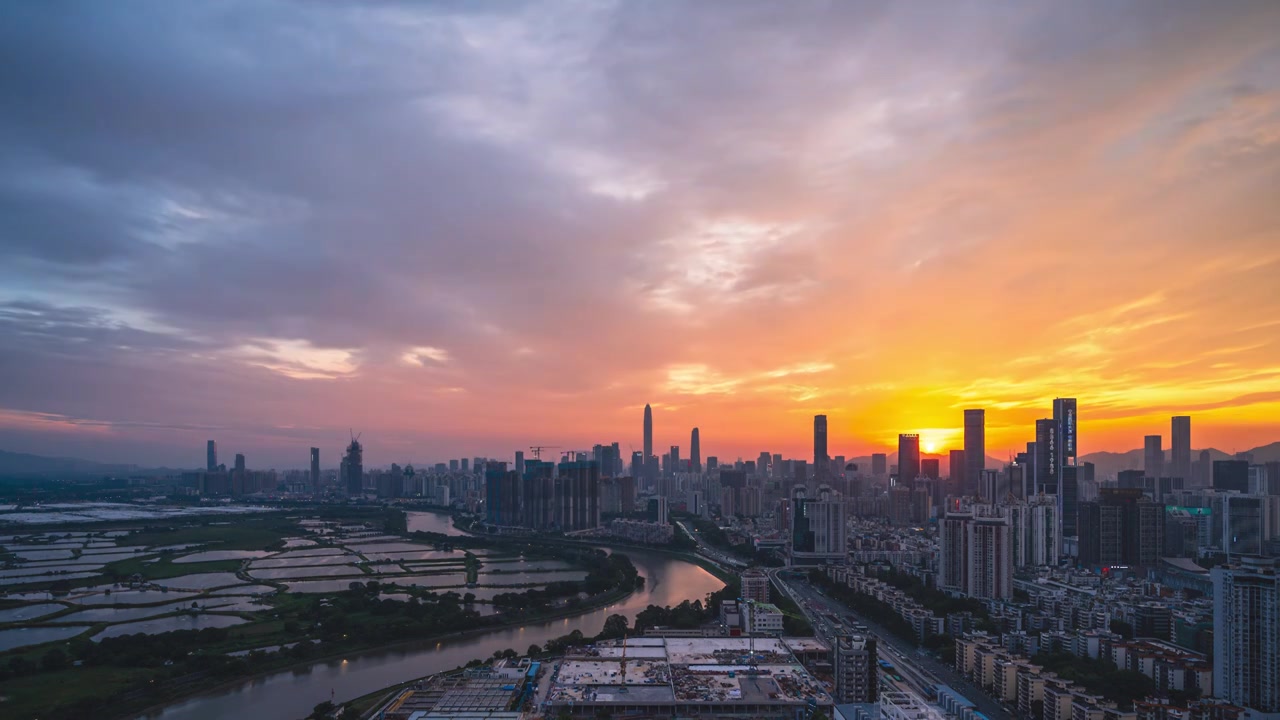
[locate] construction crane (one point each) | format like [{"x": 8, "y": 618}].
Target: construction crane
[
  {"x": 537, "y": 450},
  {"x": 623, "y": 668}
]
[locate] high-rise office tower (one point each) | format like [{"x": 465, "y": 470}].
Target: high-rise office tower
[
  {"x": 908, "y": 459},
  {"x": 520, "y": 462},
  {"x": 1246, "y": 634},
  {"x": 821, "y": 461},
  {"x": 1153, "y": 456},
  {"x": 211, "y": 456},
  {"x": 1180, "y": 441},
  {"x": 695, "y": 452},
  {"x": 1121, "y": 528},
  {"x": 353, "y": 462},
  {"x": 1064, "y": 423},
  {"x": 315, "y": 469},
  {"x": 240, "y": 466},
  {"x": 818, "y": 528},
  {"x": 1046, "y": 457},
  {"x": 975, "y": 450},
  {"x": 648, "y": 431},
  {"x": 1064, "y": 435},
  {"x": 1244, "y": 525},
  {"x": 957, "y": 473},
  {"x": 674, "y": 459},
  {"x": 931, "y": 468},
  {"x": 1231, "y": 475},
  {"x": 879, "y": 464},
  {"x": 637, "y": 464}
]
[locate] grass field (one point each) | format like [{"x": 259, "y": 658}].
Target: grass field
[{"x": 28, "y": 696}]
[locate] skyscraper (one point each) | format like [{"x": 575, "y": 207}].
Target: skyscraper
[
  {"x": 674, "y": 459},
  {"x": 1064, "y": 435},
  {"x": 976, "y": 552},
  {"x": 1231, "y": 475},
  {"x": 821, "y": 461},
  {"x": 240, "y": 466},
  {"x": 930, "y": 468},
  {"x": 957, "y": 473},
  {"x": 315, "y": 469},
  {"x": 1046, "y": 457},
  {"x": 695, "y": 453},
  {"x": 353, "y": 465},
  {"x": 975, "y": 450},
  {"x": 909, "y": 459},
  {"x": 211, "y": 456},
  {"x": 1180, "y": 441},
  {"x": 1246, "y": 634},
  {"x": 818, "y": 528},
  {"x": 648, "y": 432},
  {"x": 502, "y": 495},
  {"x": 1064, "y": 423},
  {"x": 520, "y": 462},
  {"x": 577, "y": 496},
  {"x": 1153, "y": 456},
  {"x": 1121, "y": 528},
  {"x": 879, "y": 464}
]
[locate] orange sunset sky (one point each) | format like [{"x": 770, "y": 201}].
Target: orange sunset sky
[{"x": 480, "y": 227}]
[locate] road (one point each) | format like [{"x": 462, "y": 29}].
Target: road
[
  {"x": 720, "y": 557},
  {"x": 920, "y": 670}
]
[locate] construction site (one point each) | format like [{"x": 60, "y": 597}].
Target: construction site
[{"x": 665, "y": 677}]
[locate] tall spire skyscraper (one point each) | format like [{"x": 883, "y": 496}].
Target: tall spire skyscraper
[
  {"x": 695, "y": 452},
  {"x": 648, "y": 432}
]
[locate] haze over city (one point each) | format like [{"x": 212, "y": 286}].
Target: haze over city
[{"x": 463, "y": 229}]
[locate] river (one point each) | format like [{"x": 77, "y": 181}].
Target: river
[{"x": 291, "y": 694}]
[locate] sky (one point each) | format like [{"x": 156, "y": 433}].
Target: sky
[{"x": 466, "y": 228}]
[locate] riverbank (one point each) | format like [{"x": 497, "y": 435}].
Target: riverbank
[
  {"x": 589, "y": 606},
  {"x": 292, "y": 694}
]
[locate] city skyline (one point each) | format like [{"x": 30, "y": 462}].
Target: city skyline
[{"x": 477, "y": 228}]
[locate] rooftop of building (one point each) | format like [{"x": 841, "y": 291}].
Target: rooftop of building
[{"x": 687, "y": 670}]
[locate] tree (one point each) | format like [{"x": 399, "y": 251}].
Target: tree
[
  {"x": 534, "y": 650},
  {"x": 322, "y": 711},
  {"x": 55, "y": 659},
  {"x": 615, "y": 626}
]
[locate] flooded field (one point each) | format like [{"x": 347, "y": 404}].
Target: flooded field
[{"x": 71, "y": 583}]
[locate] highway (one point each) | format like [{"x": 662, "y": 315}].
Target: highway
[
  {"x": 715, "y": 555},
  {"x": 920, "y": 671}
]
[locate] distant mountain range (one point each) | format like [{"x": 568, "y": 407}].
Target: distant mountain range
[
  {"x": 1107, "y": 464},
  {"x": 23, "y": 465}
]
